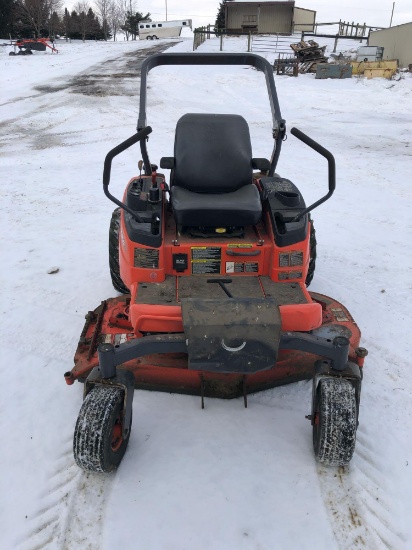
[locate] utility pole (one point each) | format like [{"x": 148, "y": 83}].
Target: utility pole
[{"x": 393, "y": 8}]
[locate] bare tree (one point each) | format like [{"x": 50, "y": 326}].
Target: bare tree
[
  {"x": 37, "y": 13},
  {"x": 102, "y": 8},
  {"x": 115, "y": 17},
  {"x": 125, "y": 7}
]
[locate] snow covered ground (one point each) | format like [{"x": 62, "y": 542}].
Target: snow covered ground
[{"x": 225, "y": 477}]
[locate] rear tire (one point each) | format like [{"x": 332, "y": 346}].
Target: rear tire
[
  {"x": 312, "y": 253},
  {"x": 114, "y": 253},
  {"x": 98, "y": 445},
  {"x": 334, "y": 429}
]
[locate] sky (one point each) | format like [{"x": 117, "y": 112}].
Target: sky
[{"x": 371, "y": 12}]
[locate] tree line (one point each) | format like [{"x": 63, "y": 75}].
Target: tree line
[{"x": 47, "y": 18}]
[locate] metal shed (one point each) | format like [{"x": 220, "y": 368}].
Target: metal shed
[
  {"x": 304, "y": 20},
  {"x": 397, "y": 43},
  {"x": 260, "y": 17}
]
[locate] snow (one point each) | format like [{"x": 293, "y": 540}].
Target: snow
[{"x": 224, "y": 477}]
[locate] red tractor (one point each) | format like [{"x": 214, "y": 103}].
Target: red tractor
[{"x": 214, "y": 269}]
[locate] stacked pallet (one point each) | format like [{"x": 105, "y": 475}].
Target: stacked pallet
[{"x": 309, "y": 54}]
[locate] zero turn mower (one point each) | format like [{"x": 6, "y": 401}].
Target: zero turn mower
[{"x": 213, "y": 270}]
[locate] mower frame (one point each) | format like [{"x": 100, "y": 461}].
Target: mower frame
[{"x": 211, "y": 333}]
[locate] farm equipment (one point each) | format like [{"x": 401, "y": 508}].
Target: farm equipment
[
  {"x": 214, "y": 272},
  {"x": 26, "y": 46}
]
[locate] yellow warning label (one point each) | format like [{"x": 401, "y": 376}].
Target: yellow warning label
[{"x": 242, "y": 245}]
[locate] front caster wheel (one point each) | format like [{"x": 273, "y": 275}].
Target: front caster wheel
[
  {"x": 335, "y": 422},
  {"x": 98, "y": 444}
]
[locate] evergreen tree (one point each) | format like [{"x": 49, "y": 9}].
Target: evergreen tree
[
  {"x": 94, "y": 29},
  {"x": 66, "y": 24},
  {"x": 131, "y": 24},
  {"x": 6, "y": 17},
  {"x": 54, "y": 25},
  {"x": 75, "y": 26},
  {"x": 220, "y": 23}
]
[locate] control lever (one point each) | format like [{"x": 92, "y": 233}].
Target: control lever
[{"x": 222, "y": 283}]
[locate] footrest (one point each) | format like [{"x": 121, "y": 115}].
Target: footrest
[{"x": 231, "y": 335}]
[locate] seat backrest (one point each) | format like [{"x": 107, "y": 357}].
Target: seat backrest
[{"x": 213, "y": 153}]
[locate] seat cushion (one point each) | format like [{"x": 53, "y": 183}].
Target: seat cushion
[
  {"x": 213, "y": 153},
  {"x": 235, "y": 209}
]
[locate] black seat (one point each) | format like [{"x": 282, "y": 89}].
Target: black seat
[{"x": 211, "y": 183}]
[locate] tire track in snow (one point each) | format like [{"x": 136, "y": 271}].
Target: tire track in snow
[
  {"x": 358, "y": 501},
  {"x": 72, "y": 511},
  {"x": 116, "y": 76}
]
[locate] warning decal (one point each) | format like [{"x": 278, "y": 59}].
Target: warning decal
[
  {"x": 146, "y": 257},
  {"x": 234, "y": 267},
  {"x": 242, "y": 267},
  {"x": 206, "y": 253},
  {"x": 291, "y": 259},
  {"x": 206, "y": 259},
  {"x": 202, "y": 267}
]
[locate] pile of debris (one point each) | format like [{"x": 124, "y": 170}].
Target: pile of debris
[{"x": 309, "y": 54}]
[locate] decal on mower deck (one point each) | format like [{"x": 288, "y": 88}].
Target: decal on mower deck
[
  {"x": 240, "y": 245},
  {"x": 291, "y": 259},
  {"x": 115, "y": 339},
  {"x": 242, "y": 267},
  {"x": 123, "y": 240},
  {"x": 146, "y": 257},
  {"x": 339, "y": 314},
  {"x": 206, "y": 260},
  {"x": 206, "y": 253}
]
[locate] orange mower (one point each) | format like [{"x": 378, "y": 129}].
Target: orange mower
[
  {"x": 26, "y": 46},
  {"x": 213, "y": 270}
]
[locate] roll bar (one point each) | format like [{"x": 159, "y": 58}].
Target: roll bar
[
  {"x": 253, "y": 60},
  {"x": 331, "y": 170}
]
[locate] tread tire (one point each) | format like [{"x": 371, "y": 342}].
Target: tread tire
[
  {"x": 92, "y": 442},
  {"x": 334, "y": 432},
  {"x": 312, "y": 253},
  {"x": 114, "y": 253}
]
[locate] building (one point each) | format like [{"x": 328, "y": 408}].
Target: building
[
  {"x": 397, "y": 43},
  {"x": 262, "y": 17}
]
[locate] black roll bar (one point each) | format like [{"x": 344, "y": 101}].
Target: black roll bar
[
  {"x": 140, "y": 136},
  {"x": 253, "y": 60},
  {"x": 331, "y": 169}
]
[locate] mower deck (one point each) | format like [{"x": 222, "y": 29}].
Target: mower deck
[{"x": 169, "y": 372}]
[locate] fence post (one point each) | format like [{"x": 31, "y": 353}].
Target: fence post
[
  {"x": 296, "y": 68},
  {"x": 248, "y": 42},
  {"x": 336, "y": 43},
  {"x": 221, "y": 42}
]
